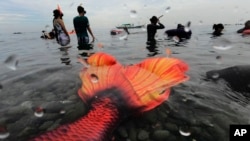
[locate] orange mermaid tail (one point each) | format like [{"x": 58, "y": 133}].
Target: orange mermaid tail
[{"x": 114, "y": 92}]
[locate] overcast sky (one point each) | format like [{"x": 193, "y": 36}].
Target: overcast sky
[{"x": 34, "y": 15}]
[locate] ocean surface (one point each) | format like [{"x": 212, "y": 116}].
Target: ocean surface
[{"x": 35, "y": 73}]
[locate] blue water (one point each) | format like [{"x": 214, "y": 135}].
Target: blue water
[{"x": 203, "y": 104}]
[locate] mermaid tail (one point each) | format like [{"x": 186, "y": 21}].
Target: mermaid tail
[
  {"x": 114, "y": 92},
  {"x": 152, "y": 79},
  {"x": 102, "y": 119}
]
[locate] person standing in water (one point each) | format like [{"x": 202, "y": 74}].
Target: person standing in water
[
  {"x": 152, "y": 29},
  {"x": 62, "y": 35},
  {"x": 218, "y": 29},
  {"x": 81, "y": 25}
]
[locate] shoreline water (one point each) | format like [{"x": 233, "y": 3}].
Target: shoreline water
[{"x": 199, "y": 108}]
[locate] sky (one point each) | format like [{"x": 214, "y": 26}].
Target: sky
[{"x": 37, "y": 15}]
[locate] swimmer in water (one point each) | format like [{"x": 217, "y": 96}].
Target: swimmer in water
[{"x": 152, "y": 29}]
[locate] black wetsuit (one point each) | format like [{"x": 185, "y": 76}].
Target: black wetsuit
[
  {"x": 217, "y": 33},
  {"x": 151, "y": 30}
]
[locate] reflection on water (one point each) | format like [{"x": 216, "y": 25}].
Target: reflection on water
[
  {"x": 65, "y": 55},
  {"x": 86, "y": 50},
  {"x": 153, "y": 50}
]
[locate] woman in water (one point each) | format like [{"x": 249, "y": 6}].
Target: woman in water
[{"x": 62, "y": 35}]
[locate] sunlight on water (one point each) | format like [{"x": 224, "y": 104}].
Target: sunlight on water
[
  {"x": 222, "y": 44},
  {"x": 94, "y": 78},
  {"x": 133, "y": 13},
  {"x": 167, "y": 9},
  {"x": 39, "y": 112},
  {"x": 4, "y": 133},
  {"x": 222, "y": 47},
  {"x": 125, "y": 37},
  {"x": 11, "y": 62}
]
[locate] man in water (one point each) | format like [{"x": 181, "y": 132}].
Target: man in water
[
  {"x": 81, "y": 25},
  {"x": 152, "y": 29}
]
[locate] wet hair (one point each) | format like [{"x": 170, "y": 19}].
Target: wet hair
[
  {"x": 57, "y": 13},
  {"x": 247, "y": 24},
  {"x": 154, "y": 19},
  {"x": 80, "y": 9},
  {"x": 218, "y": 26}
]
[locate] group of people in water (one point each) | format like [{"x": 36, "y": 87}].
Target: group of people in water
[
  {"x": 183, "y": 32},
  {"x": 81, "y": 28},
  {"x": 218, "y": 28}
]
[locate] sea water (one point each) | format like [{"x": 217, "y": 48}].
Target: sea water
[{"x": 33, "y": 74}]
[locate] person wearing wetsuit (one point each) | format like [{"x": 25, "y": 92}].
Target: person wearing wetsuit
[
  {"x": 81, "y": 25},
  {"x": 218, "y": 29},
  {"x": 152, "y": 29}
]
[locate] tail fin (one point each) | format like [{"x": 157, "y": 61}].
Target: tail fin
[
  {"x": 153, "y": 78},
  {"x": 104, "y": 72},
  {"x": 101, "y": 59},
  {"x": 144, "y": 85}
]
